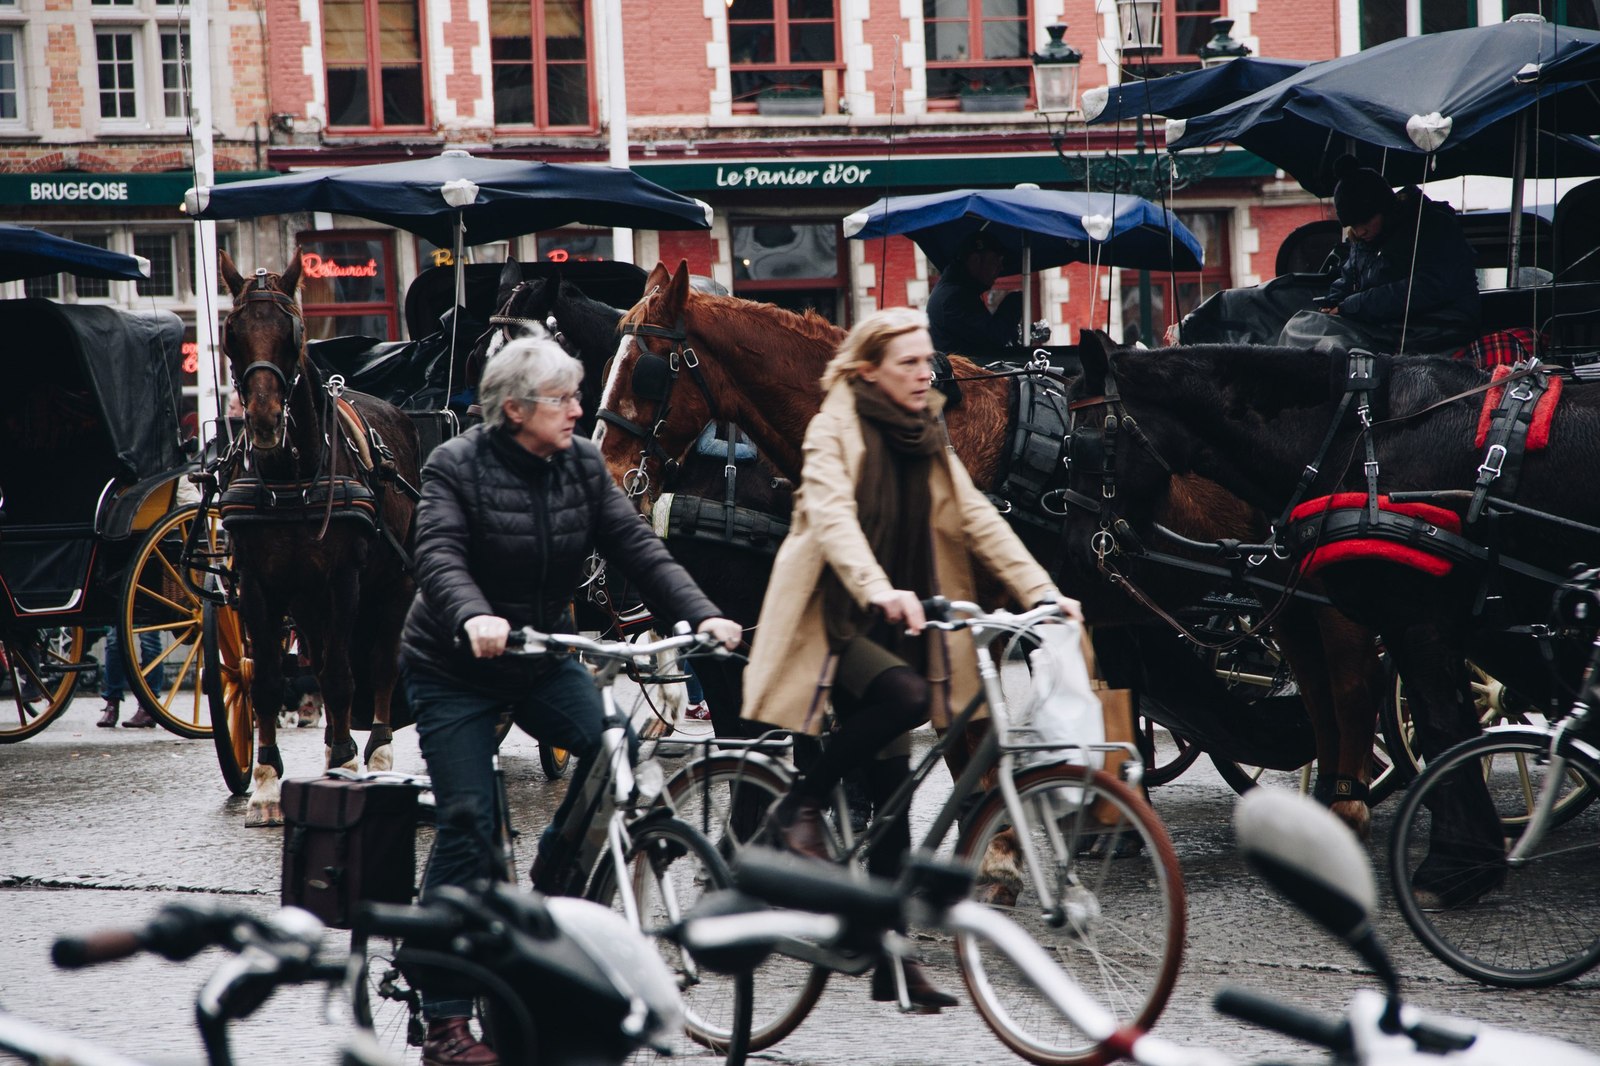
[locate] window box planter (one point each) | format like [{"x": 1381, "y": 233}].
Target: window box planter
[
  {"x": 789, "y": 104},
  {"x": 986, "y": 103}
]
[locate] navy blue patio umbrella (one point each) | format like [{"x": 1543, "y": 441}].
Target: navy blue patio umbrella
[
  {"x": 439, "y": 197},
  {"x": 1423, "y": 108},
  {"x": 1037, "y": 228},
  {"x": 1051, "y": 226},
  {"x": 1185, "y": 95},
  {"x": 29, "y": 253}
]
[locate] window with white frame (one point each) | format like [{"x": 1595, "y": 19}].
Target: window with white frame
[
  {"x": 141, "y": 55},
  {"x": 13, "y": 104},
  {"x": 1584, "y": 14}
]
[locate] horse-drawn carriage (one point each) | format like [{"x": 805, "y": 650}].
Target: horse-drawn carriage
[{"x": 91, "y": 527}]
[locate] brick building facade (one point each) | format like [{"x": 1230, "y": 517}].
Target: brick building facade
[{"x": 785, "y": 115}]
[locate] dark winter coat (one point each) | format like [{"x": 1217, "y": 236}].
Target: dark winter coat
[
  {"x": 959, "y": 321},
  {"x": 503, "y": 532},
  {"x": 1372, "y": 287}
]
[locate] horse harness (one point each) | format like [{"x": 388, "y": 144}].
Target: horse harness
[
  {"x": 1402, "y": 526},
  {"x": 246, "y": 498}
]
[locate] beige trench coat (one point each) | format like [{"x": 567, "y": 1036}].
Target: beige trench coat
[{"x": 790, "y": 671}]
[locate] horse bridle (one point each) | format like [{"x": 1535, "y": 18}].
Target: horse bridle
[
  {"x": 663, "y": 368},
  {"x": 285, "y": 303}
]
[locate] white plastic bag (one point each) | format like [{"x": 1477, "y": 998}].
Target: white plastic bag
[{"x": 1064, "y": 709}]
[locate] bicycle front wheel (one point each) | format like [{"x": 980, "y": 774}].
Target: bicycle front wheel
[
  {"x": 670, "y": 866},
  {"x": 726, "y": 797},
  {"x": 1112, "y": 872},
  {"x": 1524, "y": 926}
]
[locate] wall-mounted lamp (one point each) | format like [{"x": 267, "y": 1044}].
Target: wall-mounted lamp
[
  {"x": 282, "y": 122},
  {"x": 1222, "y": 47},
  {"x": 1055, "y": 73}
]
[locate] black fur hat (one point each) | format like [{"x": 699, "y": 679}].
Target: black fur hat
[{"x": 1361, "y": 193}]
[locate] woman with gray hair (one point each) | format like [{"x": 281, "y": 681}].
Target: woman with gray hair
[{"x": 510, "y": 511}]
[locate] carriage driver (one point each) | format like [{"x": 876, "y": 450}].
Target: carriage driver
[
  {"x": 1405, "y": 249},
  {"x": 510, "y": 511},
  {"x": 885, "y": 516}
]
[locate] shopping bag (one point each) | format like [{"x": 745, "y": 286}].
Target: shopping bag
[{"x": 1064, "y": 708}]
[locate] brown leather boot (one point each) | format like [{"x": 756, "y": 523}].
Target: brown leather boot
[
  {"x": 108, "y": 717},
  {"x": 142, "y": 719},
  {"x": 925, "y": 998},
  {"x": 450, "y": 1043},
  {"x": 797, "y": 825}
]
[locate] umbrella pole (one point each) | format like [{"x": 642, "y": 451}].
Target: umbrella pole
[
  {"x": 460, "y": 301},
  {"x": 1519, "y": 176},
  {"x": 1027, "y": 292}
]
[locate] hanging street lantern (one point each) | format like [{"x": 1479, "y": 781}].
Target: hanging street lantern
[
  {"x": 1222, "y": 47},
  {"x": 1055, "y": 73},
  {"x": 1140, "y": 21}
]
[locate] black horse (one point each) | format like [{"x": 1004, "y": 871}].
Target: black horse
[
  {"x": 734, "y": 576},
  {"x": 305, "y": 504},
  {"x": 1254, "y": 419}
]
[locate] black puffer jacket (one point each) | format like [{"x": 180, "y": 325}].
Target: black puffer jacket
[{"x": 501, "y": 531}]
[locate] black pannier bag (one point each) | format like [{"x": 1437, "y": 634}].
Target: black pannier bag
[{"x": 346, "y": 840}]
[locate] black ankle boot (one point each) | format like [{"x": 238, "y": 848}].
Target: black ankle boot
[
  {"x": 926, "y": 998},
  {"x": 796, "y": 822}
]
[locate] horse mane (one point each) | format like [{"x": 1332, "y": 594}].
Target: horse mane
[{"x": 730, "y": 316}]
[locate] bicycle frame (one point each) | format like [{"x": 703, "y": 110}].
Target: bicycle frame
[{"x": 998, "y": 750}]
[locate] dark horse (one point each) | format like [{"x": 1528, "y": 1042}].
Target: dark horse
[
  {"x": 761, "y": 366},
  {"x": 306, "y": 501},
  {"x": 1253, "y": 419},
  {"x": 734, "y": 577},
  {"x": 1119, "y": 496}
]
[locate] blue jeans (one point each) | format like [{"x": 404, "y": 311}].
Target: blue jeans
[
  {"x": 114, "y": 673},
  {"x": 693, "y": 691},
  {"x": 456, "y": 731}
]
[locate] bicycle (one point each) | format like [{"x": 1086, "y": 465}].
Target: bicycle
[
  {"x": 1526, "y": 915},
  {"x": 625, "y": 850},
  {"x": 268, "y": 953},
  {"x": 1114, "y": 915}
]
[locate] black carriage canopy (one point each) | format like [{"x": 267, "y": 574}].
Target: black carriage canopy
[{"x": 93, "y": 378}]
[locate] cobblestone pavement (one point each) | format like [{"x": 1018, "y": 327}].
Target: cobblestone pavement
[{"x": 99, "y": 827}]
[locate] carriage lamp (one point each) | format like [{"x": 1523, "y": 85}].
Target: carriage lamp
[
  {"x": 1055, "y": 73},
  {"x": 1140, "y": 21},
  {"x": 1222, "y": 47}
]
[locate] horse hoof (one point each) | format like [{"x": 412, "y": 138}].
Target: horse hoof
[
  {"x": 1355, "y": 814},
  {"x": 263, "y": 816},
  {"x": 352, "y": 764},
  {"x": 997, "y": 894},
  {"x": 382, "y": 759}
]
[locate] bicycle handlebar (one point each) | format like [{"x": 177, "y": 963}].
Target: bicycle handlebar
[
  {"x": 529, "y": 641},
  {"x": 807, "y": 885},
  {"x": 181, "y": 930},
  {"x": 1285, "y": 1018},
  {"x": 969, "y": 615}
]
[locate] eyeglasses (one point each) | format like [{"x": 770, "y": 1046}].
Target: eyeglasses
[{"x": 556, "y": 401}]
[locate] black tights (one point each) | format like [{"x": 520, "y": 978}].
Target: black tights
[{"x": 896, "y": 702}]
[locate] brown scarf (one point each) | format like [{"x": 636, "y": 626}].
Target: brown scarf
[{"x": 894, "y": 502}]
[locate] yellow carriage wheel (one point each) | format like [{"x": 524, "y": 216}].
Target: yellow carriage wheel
[
  {"x": 159, "y": 624},
  {"x": 228, "y": 674},
  {"x": 38, "y": 671}
]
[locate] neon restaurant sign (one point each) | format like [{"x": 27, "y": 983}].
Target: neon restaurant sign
[{"x": 313, "y": 265}]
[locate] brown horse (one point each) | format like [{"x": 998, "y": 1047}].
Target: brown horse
[
  {"x": 316, "y": 524},
  {"x": 760, "y": 366}
]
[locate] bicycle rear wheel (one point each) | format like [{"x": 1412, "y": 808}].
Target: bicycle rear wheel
[
  {"x": 670, "y": 866},
  {"x": 1122, "y": 939},
  {"x": 725, "y": 798},
  {"x": 1526, "y": 926}
]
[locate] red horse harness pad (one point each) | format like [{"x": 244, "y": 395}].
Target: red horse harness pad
[
  {"x": 1544, "y": 412},
  {"x": 1338, "y": 529}
]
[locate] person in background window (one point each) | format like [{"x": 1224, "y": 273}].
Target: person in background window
[
  {"x": 1409, "y": 276},
  {"x": 959, "y": 320}
]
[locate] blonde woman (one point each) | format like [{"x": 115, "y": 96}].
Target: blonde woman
[{"x": 885, "y": 516}]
